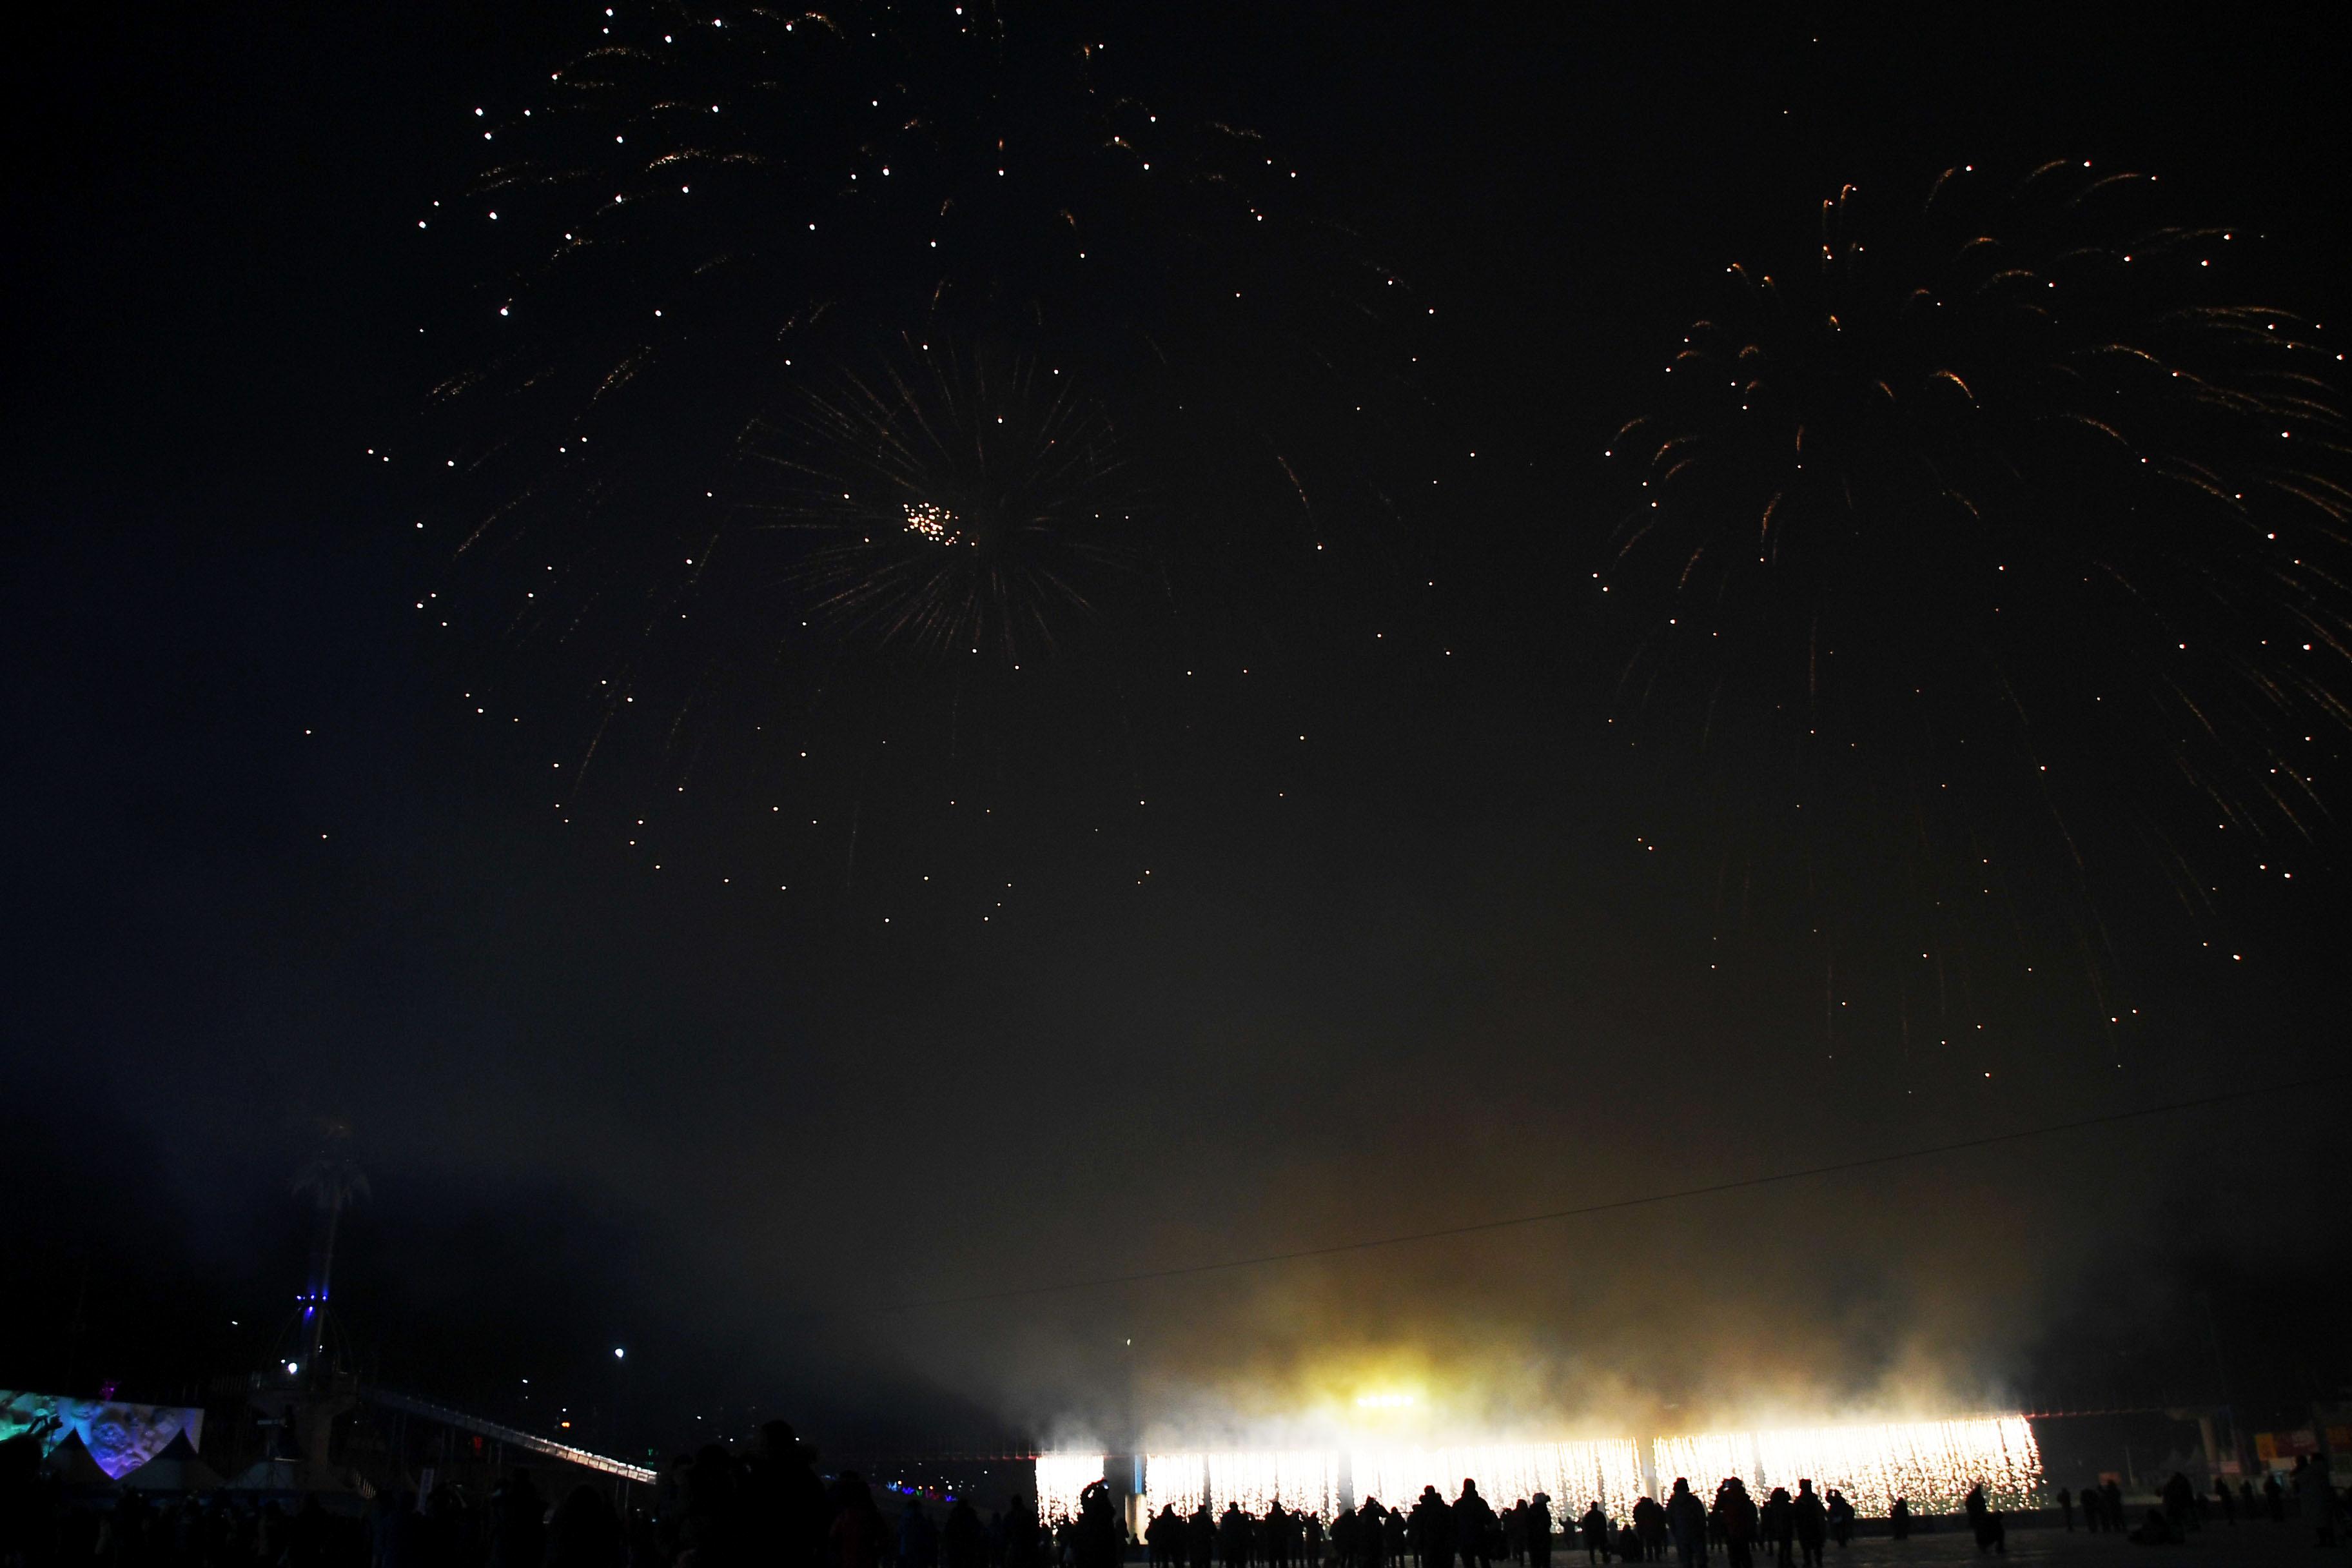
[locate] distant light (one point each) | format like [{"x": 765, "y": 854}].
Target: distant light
[{"x": 619, "y": 1354}]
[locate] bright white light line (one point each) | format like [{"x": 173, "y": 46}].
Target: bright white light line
[{"x": 1931, "y": 1463}]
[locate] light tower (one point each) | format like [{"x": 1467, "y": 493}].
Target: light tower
[
  {"x": 334, "y": 1181},
  {"x": 307, "y": 1383}
]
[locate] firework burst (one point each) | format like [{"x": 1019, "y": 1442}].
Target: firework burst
[
  {"x": 705, "y": 215},
  {"x": 950, "y": 501},
  {"x": 849, "y": 364},
  {"x": 2003, "y": 538}
]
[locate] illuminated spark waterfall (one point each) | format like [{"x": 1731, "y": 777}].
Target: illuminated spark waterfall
[
  {"x": 1568, "y": 1473},
  {"x": 1930, "y": 1463},
  {"x": 1178, "y": 1480},
  {"x": 1301, "y": 1480},
  {"x": 1706, "y": 1459},
  {"x": 1060, "y": 1478}
]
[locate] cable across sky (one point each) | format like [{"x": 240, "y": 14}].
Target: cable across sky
[{"x": 1474, "y": 1227}]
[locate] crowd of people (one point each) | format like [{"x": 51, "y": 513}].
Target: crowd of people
[
  {"x": 2308, "y": 1494},
  {"x": 1433, "y": 1532},
  {"x": 770, "y": 1507}
]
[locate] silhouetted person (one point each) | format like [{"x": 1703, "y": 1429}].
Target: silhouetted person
[
  {"x": 1372, "y": 1533},
  {"x": 307, "y": 1542},
  {"x": 1233, "y": 1537},
  {"x": 1431, "y": 1528},
  {"x": 2314, "y": 1487},
  {"x": 1777, "y": 1526},
  {"x": 1343, "y": 1537},
  {"x": 2111, "y": 1505},
  {"x": 1594, "y": 1528},
  {"x": 1098, "y": 1538},
  {"x": 1738, "y": 1511},
  {"x": 963, "y": 1539},
  {"x": 1840, "y": 1514},
  {"x": 1686, "y": 1523},
  {"x": 1537, "y": 1519},
  {"x": 636, "y": 1533},
  {"x": 789, "y": 1511},
  {"x": 1650, "y": 1528},
  {"x": 1811, "y": 1521},
  {"x": 2179, "y": 1502},
  {"x": 1315, "y": 1540},
  {"x": 2066, "y": 1508},
  {"x": 709, "y": 1508},
  {"x": 918, "y": 1540},
  {"x": 1986, "y": 1524},
  {"x": 1020, "y": 1533},
  {"x": 518, "y": 1516},
  {"x": 855, "y": 1535},
  {"x": 1473, "y": 1525},
  {"x": 28, "y": 1505},
  {"x": 585, "y": 1531},
  {"x": 1898, "y": 1521}
]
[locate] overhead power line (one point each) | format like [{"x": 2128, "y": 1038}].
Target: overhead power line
[{"x": 1475, "y": 1228}]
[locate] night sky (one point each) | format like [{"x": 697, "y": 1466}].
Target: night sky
[{"x": 1322, "y": 878}]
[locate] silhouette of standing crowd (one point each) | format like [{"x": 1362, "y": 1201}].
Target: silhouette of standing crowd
[
  {"x": 770, "y": 1507},
  {"x": 2308, "y": 1493},
  {"x": 1433, "y": 1532}
]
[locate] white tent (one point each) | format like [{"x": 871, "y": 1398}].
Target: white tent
[
  {"x": 178, "y": 1468},
  {"x": 70, "y": 1463}
]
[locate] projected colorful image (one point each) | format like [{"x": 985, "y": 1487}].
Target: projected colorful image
[{"x": 121, "y": 1438}]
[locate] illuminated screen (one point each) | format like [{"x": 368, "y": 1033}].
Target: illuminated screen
[{"x": 121, "y": 1438}]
